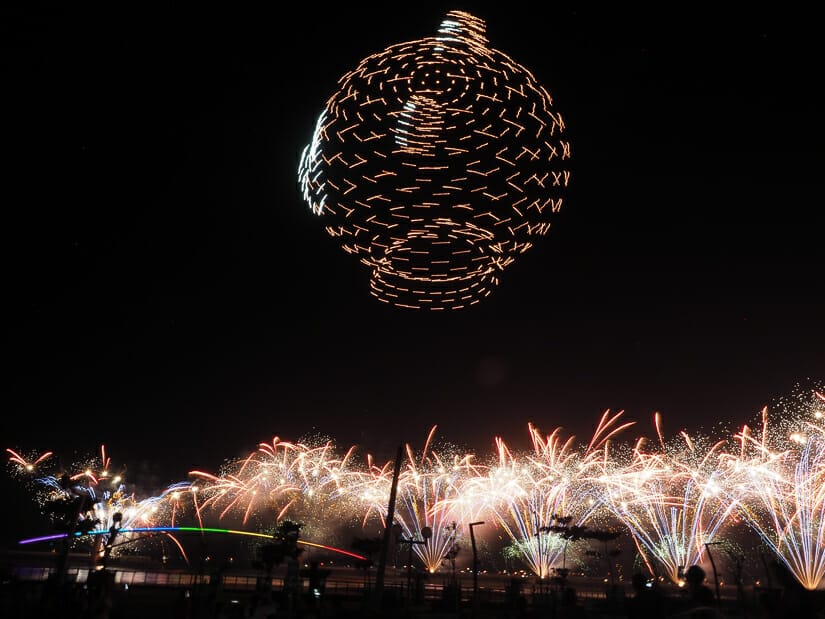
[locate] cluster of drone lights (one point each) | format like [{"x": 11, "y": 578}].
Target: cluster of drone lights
[
  {"x": 672, "y": 497},
  {"x": 437, "y": 162}
]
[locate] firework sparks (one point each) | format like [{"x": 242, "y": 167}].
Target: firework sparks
[
  {"x": 27, "y": 465},
  {"x": 673, "y": 496},
  {"x": 90, "y": 494},
  {"x": 781, "y": 475},
  {"x": 303, "y": 480}
]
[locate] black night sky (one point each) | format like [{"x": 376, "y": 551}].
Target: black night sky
[{"x": 172, "y": 297}]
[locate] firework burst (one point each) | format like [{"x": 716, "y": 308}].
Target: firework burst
[
  {"x": 427, "y": 498},
  {"x": 671, "y": 497},
  {"x": 552, "y": 483},
  {"x": 91, "y": 494},
  {"x": 305, "y": 480}
]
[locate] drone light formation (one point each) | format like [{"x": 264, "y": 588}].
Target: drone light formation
[{"x": 437, "y": 162}]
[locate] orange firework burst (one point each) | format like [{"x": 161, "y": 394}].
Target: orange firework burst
[{"x": 278, "y": 478}]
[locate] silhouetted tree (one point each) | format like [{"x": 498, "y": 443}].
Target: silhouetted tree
[
  {"x": 284, "y": 545},
  {"x": 72, "y": 513},
  {"x": 572, "y": 533},
  {"x": 604, "y": 536}
]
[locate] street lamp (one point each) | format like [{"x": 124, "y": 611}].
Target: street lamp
[
  {"x": 713, "y": 565},
  {"x": 117, "y": 519},
  {"x": 475, "y": 562}
]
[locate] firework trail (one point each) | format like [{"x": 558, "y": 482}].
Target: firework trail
[{"x": 781, "y": 475}]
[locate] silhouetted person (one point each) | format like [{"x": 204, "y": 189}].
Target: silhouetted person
[
  {"x": 99, "y": 593},
  {"x": 521, "y": 606},
  {"x": 263, "y": 607},
  {"x": 317, "y": 578},
  {"x": 184, "y": 605},
  {"x": 701, "y": 601},
  {"x": 217, "y": 595},
  {"x": 568, "y": 607},
  {"x": 699, "y": 591},
  {"x": 647, "y": 602}
]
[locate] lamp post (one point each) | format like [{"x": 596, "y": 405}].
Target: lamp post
[
  {"x": 475, "y": 563},
  {"x": 713, "y": 565}
]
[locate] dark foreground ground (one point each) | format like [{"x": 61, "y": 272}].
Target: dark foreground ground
[
  {"x": 32, "y": 587},
  {"x": 26, "y": 599}
]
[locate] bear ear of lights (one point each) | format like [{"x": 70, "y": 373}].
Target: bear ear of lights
[{"x": 437, "y": 162}]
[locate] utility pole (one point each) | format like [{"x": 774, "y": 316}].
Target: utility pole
[
  {"x": 385, "y": 543},
  {"x": 426, "y": 533}
]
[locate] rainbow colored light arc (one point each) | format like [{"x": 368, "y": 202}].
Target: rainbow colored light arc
[{"x": 125, "y": 530}]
